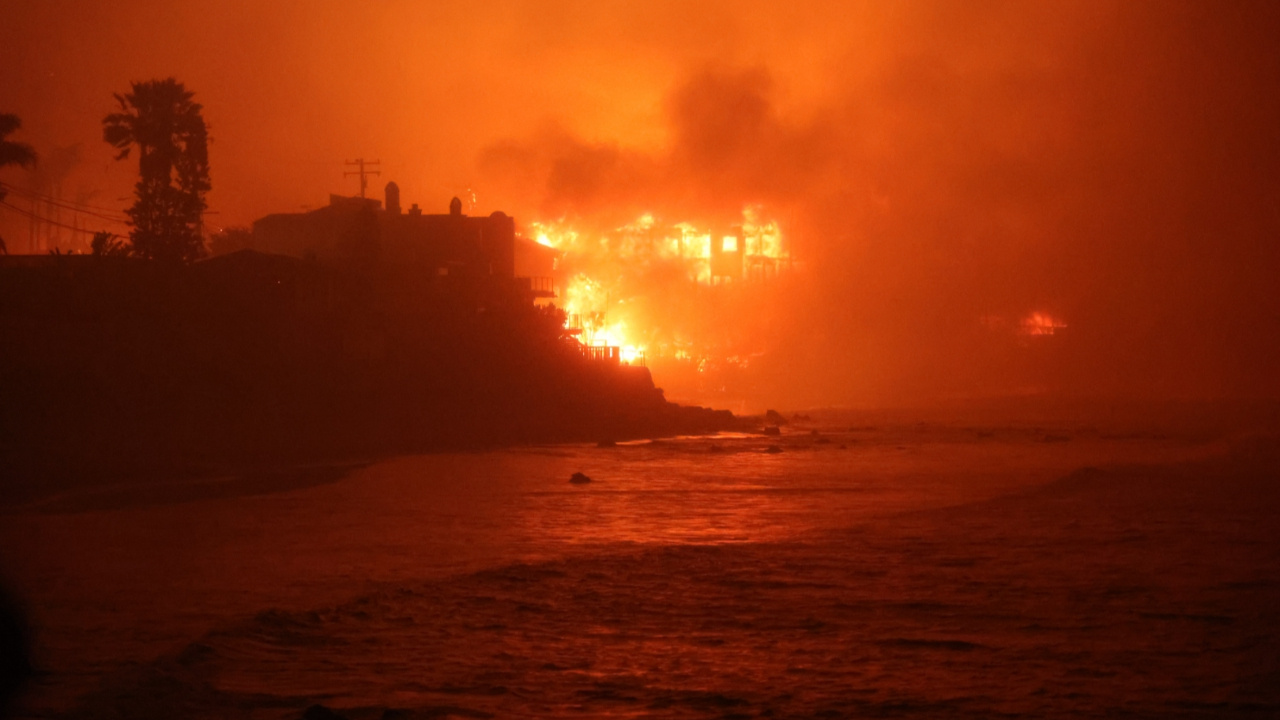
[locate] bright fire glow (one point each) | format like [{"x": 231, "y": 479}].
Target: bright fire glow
[{"x": 636, "y": 286}]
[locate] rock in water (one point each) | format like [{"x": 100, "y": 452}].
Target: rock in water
[
  {"x": 320, "y": 712},
  {"x": 773, "y": 449},
  {"x": 772, "y": 430},
  {"x": 773, "y": 417},
  {"x": 579, "y": 479}
]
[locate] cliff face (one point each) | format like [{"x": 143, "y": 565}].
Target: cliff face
[{"x": 117, "y": 366}]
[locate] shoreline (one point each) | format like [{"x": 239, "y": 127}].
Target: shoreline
[{"x": 39, "y": 484}]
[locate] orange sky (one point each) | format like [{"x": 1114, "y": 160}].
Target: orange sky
[
  {"x": 293, "y": 89},
  {"x": 937, "y": 162}
]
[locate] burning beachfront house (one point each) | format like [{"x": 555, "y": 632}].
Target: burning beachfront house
[
  {"x": 675, "y": 293},
  {"x": 466, "y": 259},
  {"x": 629, "y": 293},
  {"x": 726, "y": 261},
  {"x": 746, "y": 253}
]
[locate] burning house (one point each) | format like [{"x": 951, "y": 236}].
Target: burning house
[
  {"x": 646, "y": 290},
  {"x": 695, "y": 302},
  {"x": 477, "y": 260}
]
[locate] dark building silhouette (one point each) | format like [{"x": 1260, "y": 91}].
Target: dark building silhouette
[
  {"x": 344, "y": 227},
  {"x": 393, "y": 198},
  {"x": 435, "y": 245}
]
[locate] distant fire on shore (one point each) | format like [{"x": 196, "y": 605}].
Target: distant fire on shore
[{"x": 1039, "y": 323}]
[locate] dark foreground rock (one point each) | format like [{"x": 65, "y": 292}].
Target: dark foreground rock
[{"x": 321, "y": 712}]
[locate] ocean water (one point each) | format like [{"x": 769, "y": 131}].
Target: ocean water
[{"x": 906, "y": 570}]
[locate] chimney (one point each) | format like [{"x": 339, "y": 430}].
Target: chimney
[
  {"x": 455, "y": 207},
  {"x": 393, "y": 198},
  {"x": 415, "y": 211}
]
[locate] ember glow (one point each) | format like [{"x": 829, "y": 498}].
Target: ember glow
[{"x": 1038, "y": 323}]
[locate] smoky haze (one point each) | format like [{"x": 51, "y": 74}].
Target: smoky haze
[
  {"x": 1110, "y": 165},
  {"x": 941, "y": 170}
]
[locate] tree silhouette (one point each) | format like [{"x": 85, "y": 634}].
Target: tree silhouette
[
  {"x": 159, "y": 117},
  {"x": 12, "y": 153},
  {"x": 107, "y": 244}
]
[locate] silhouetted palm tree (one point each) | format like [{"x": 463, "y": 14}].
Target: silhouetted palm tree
[
  {"x": 160, "y": 118},
  {"x": 12, "y": 153}
]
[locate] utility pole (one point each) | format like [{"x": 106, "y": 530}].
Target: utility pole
[{"x": 362, "y": 172}]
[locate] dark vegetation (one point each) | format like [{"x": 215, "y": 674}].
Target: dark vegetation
[
  {"x": 160, "y": 119},
  {"x": 12, "y": 153}
]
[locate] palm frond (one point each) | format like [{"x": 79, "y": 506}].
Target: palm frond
[
  {"x": 16, "y": 153},
  {"x": 8, "y": 123}
]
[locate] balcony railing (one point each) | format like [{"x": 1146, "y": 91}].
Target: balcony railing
[
  {"x": 610, "y": 354},
  {"x": 544, "y": 287}
]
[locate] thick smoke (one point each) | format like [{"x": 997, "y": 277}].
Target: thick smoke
[
  {"x": 1110, "y": 166},
  {"x": 729, "y": 147}
]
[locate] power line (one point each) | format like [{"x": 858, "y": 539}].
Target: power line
[
  {"x": 65, "y": 205},
  {"x": 364, "y": 182},
  {"x": 33, "y": 216},
  {"x": 42, "y": 196}
]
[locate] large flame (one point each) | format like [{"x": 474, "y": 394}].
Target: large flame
[{"x": 646, "y": 287}]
